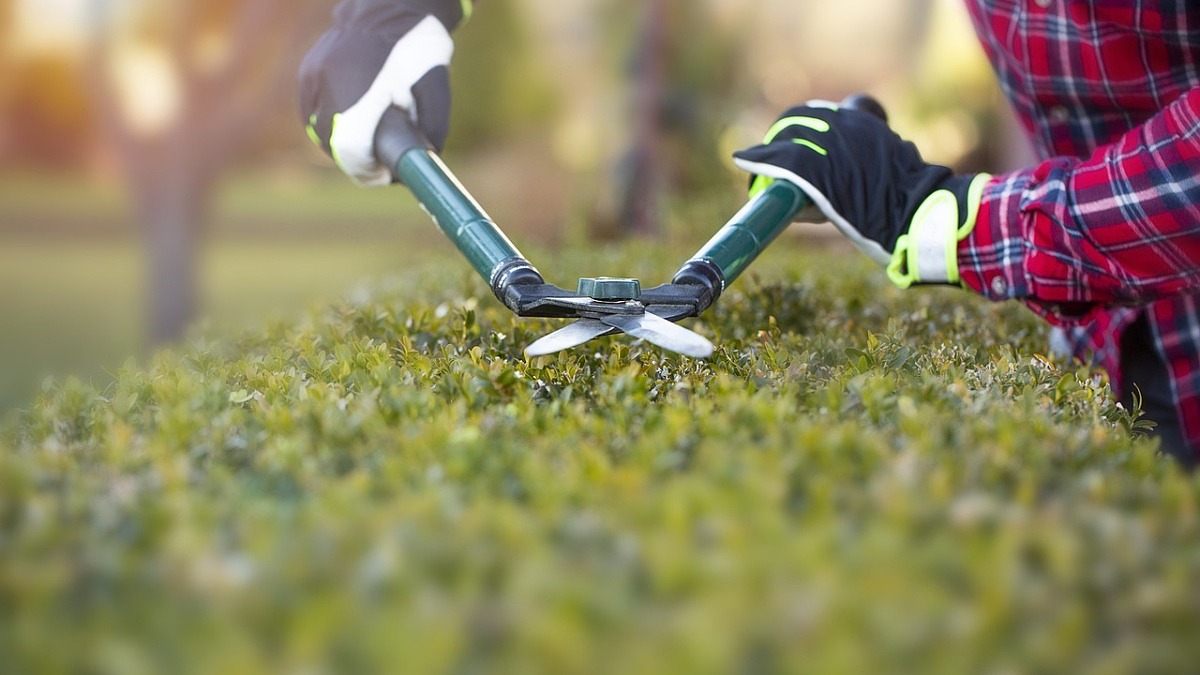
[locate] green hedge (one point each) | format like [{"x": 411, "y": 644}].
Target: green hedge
[{"x": 860, "y": 481}]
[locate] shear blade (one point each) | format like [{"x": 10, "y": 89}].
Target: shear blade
[
  {"x": 657, "y": 330},
  {"x": 575, "y": 334},
  {"x": 649, "y": 327}
]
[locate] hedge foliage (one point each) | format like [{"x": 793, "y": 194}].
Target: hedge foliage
[{"x": 861, "y": 480}]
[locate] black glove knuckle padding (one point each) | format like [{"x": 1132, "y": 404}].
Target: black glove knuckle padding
[
  {"x": 431, "y": 95},
  {"x": 868, "y": 173},
  {"x": 343, "y": 65}
]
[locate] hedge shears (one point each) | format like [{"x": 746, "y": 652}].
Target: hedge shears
[{"x": 599, "y": 306}]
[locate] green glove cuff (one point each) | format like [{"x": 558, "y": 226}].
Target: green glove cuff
[{"x": 928, "y": 252}]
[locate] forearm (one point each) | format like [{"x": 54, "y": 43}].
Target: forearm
[
  {"x": 387, "y": 16},
  {"x": 1121, "y": 227}
]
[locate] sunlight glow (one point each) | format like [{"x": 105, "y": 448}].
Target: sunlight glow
[
  {"x": 148, "y": 86},
  {"x": 50, "y": 25}
]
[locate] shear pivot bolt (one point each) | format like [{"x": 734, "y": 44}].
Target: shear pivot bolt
[{"x": 609, "y": 288}]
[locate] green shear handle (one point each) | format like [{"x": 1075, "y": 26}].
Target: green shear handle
[
  {"x": 515, "y": 281},
  {"x": 401, "y": 147},
  {"x": 731, "y": 251}
]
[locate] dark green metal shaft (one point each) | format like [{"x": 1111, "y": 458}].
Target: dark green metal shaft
[
  {"x": 456, "y": 213},
  {"x": 752, "y": 229}
]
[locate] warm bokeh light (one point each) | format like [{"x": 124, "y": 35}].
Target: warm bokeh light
[
  {"x": 148, "y": 87},
  {"x": 44, "y": 25},
  {"x": 542, "y": 83}
]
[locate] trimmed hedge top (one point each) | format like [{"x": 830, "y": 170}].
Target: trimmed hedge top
[{"x": 859, "y": 480}]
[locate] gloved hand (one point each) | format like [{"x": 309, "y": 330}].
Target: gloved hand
[
  {"x": 379, "y": 54},
  {"x": 904, "y": 213}
]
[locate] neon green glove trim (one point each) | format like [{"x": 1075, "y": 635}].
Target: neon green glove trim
[
  {"x": 936, "y": 219},
  {"x": 468, "y": 7},
  {"x": 760, "y": 185},
  {"x": 817, "y": 125},
  {"x": 312, "y": 131},
  {"x": 937, "y": 223},
  {"x": 897, "y": 269},
  {"x": 333, "y": 148},
  {"x": 974, "y": 202},
  {"x": 812, "y": 146}
]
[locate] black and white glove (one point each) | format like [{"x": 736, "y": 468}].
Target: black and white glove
[
  {"x": 379, "y": 54},
  {"x": 904, "y": 213}
]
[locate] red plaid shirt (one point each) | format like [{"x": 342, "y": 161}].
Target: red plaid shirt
[{"x": 1108, "y": 226}]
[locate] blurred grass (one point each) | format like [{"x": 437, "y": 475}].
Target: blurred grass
[
  {"x": 71, "y": 266},
  {"x": 247, "y": 204},
  {"x": 76, "y": 309},
  {"x": 67, "y": 309}
]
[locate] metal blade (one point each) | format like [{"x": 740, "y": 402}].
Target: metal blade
[
  {"x": 657, "y": 330},
  {"x": 573, "y": 335}
]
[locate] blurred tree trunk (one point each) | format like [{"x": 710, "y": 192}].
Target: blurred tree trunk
[
  {"x": 683, "y": 82},
  {"x": 171, "y": 166},
  {"x": 638, "y": 177},
  {"x": 642, "y": 179},
  {"x": 172, "y": 211}
]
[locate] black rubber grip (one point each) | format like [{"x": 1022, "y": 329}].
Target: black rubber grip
[
  {"x": 866, "y": 103},
  {"x": 395, "y": 137}
]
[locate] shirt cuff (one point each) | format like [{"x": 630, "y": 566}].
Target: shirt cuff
[
  {"x": 991, "y": 259},
  {"x": 997, "y": 259}
]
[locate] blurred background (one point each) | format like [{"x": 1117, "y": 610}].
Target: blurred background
[{"x": 155, "y": 180}]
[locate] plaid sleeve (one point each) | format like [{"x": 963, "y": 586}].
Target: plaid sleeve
[{"x": 1121, "y": 227}]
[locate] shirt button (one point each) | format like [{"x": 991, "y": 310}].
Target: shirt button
[
  {"x": 999, "y": 286},
  {"x": 1059, "y": 114},
  {"x": 1043, "y": 3}
]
